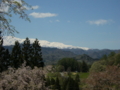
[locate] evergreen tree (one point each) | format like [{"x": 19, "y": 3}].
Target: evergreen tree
[
  {"x": 2, "y": 53},
  {"x": 27, "y": 52},
  {"x": 77, "y": 78},
  {"x": 77, "y": 82},
  {"x": 64, "y": 83},
  {"x": 68, "y": 87},
  {"x": 7, "y": 58},
  {"x": 70, "y": 84},
  {"x": 57, "y": 84},
  {"x": 52, "y": 81},
  {"x": 84, "y": 66},
  {"x": 16, "y": 56},
  {"x": 104, "y": 57},
  {"x": 111, "y": 54},
  {"x": 69, "y": 63},
  {"x": 2, "y": 61},
  {"x": 37, "y": 54},
  {"x": 76, "y": 86},
  {"x": 47, "y": 82},
  {"x": 1, "y": 39},
  {"x": 79, "y": 67}
]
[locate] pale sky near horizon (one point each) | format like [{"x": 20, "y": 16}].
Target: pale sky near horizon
[{"x": 86, "y": 23}]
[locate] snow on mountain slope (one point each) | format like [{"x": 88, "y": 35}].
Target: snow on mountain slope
[{"x": 9, "y": 40}]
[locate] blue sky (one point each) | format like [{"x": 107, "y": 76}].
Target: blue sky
[{"x": 86, "y": 23}]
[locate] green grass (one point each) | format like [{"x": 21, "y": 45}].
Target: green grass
[{"x": 84, "y": 75}]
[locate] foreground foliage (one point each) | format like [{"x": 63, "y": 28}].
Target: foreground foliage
[
  {"x": 23, "y": 78},
  {"x": 31, "y": 53},
  {"x": 105, "y": 80},
  {"x": 112, "y": 59},
  {"x": 71, "y": 64},
  {"x": 7, "y": 9},
  {"x": 64, "y": 82}
]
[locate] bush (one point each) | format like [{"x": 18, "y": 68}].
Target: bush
[
  {"x": 23, "y": 78},
  {"x": 106, "y": 80},
  {"x": 98, "y": 66}
]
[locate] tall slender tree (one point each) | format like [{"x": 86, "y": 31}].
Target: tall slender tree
[
  {"x": 77, "y": 78},
  {"x": 4, "y": 56},
  {"x": 84, "y": 67},
  {"x": 37, "y": 59},
  {"x": 57, "y": 84},
  {"x": 7, "y": 58},
  {"x": 16, "y": 56},
  {"x": 2, "y": 53},
  {"x": 27, "y": 52}
]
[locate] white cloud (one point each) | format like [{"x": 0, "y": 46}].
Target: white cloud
[
  {"x": 50, "y": 21},
  {"x": 68, "y": 21},
  {"x": 35, "y": 7},
  {"x": 42, "y": 15},
  {"x": 57, "y": 20},
  {"x": 99, "y": 22},
  {"x": 9, "y": 40},
  {"x": 53, "y": 21}
]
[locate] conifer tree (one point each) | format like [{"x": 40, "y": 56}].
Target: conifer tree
[
  {"x": 4, "y": 56},
  {"x": 68, "y": 87},
  {"x": 77, "y": 78},
  {"x": 2, "y": 53},
  {"x": 47, "y": 83},
  {"x": 7, "y": 58},
  {"x": 84, "y": 67},
  {"x": 70, "y": 84},
  {"x": 76, "y": 86},
  {"x": 57, "y": 84},
  {"x": 16, "y": 56},
  {"x": 37, "y": 54},
  {"x": 52, "y": 81},
  {"x": 64, "y": 83},
  {"x": 27, "y": 52},
  {"x": 2, "y": 61},
  {"x": 77, "y": 82}
]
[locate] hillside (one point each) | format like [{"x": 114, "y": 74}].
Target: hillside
[
  {"x": 52, "y": 55},
  {"x": 94, "y": 53},
  {"x": 85, "y": 57}
]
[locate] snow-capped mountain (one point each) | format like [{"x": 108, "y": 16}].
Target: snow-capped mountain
[{"x": 9, "y": 40}]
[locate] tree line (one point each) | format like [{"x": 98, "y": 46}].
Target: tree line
[
  {"x": 113, "y": 59},
  {"x": 63, "y": 83},
  {"x": 27, "y": 52},
  {"x": 71, "y": 64}
]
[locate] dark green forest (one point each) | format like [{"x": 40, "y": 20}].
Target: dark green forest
[
  {"x": 29, "y": 53},
  {"x": 70, "y": 73}
]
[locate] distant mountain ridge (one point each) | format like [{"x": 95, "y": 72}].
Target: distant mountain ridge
[
  {"x": 9, "y": 40},
  {"x": 94, "y": 53},
  {"x": 52, "y": 55},
  {"x": 52, "y": 51}
]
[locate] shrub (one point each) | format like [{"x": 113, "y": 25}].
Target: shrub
[
  {"x": 98, "y": 66},
  {"x": 106, "y": 80},
  {"x": 23, "y": 78}
]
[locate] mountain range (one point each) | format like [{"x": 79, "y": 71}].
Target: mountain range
[
  {"x": 54, "y": 51},
  {"x": 9, "y": 40}
]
